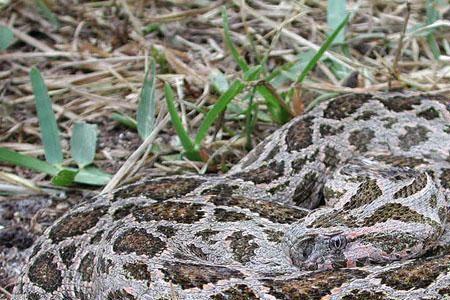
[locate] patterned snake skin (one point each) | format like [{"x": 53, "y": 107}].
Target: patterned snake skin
[{"x": 348, "y": 201}]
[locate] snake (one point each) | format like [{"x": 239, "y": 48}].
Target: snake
[{"x": 346, "y": 201}]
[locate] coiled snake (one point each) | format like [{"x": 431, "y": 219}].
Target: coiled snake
[{"x": 348, "y": 201}]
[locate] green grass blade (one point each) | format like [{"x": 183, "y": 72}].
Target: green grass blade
[
  {"x": 65, "y": 177},
  {"x": 250, "y": 119},
  {"x": 336, "y": 11},
  {"x": 6, "y": 37},
  {"x": 47, "y": 13},
  {"x": 229, "y": 43},
  {"x": 92, "y": 176},
  {"x": 185, "y": 140},
  {"x": 83, "y": 143},
  {"x": 253, "y": 73},
  {"x": 124, "y": 120},
  {"x": 26, "y": 161},
  {"x": 275, "y": 104},
  {"x": 47, "y": 120},
  {"x": 235, "y": 88},
  {"x": 432, "y": 16},
  {"x": 147, "y": 105},
  {"x": 219, "y": 81},
  {"x": 312, "y": 63}
]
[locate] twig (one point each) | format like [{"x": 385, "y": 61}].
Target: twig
[
  {"x": 398, "y": 52},
  {"x": 126, "y": 167}
]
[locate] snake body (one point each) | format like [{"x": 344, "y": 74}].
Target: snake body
[{"x": 348, "y": 201}]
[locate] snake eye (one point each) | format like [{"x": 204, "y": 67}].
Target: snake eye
[{"x": 337, "y": 242}]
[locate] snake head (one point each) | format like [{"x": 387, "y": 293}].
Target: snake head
[{"x": 316, "y": 251}]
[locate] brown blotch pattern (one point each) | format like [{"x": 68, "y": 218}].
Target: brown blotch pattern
[
  {"x": 97, "y": 237},
  {"x": 416, "y": 275},
  {"x": 299, "y": 135},
  {"x": 331, "y": 159},
  {"x": 433, "y": 201},
  {"x": 224, "y": 215},
  {"x": 418, "y": 184},
  {"x": 237, "y": 292},
  {"x": 305, "y": 190},
  {"x": 366, "y": 115},
  {"x": 123, "y": 211},
  {"x": 334, "y": 218},
  {"x": 191, "y": 275},
  {"x": 314, "y": 286},
  {"x": 242, "y": 246},
  {"x": 361, "y": 138},
  {"x": 86, "y": 268},
  {"x": 390, "y": 243},
  {"x": 413, "y": 137},
  {"x": 429, "y": 114},
  {"x": 275, "y": 212},
  {"x": 343, "y": 107},
  {"x": 274, "y": 236},
  {"x": 400, "y": 161},
  {"x": 76, "y": 224},
  {"x": 207, "y": 235},
  {"x": 224, "y": 190},
  {"x": 138, "y": 271},
  {"x": 399, "y": 104},
  {"x": 139, "y": 241},
  {"x": 263, "y": 174},
  {"x": 67, "y": 254},
  {"x": 445, "y": 178},
  {"x": 168, "y": 231},
  {"x": 328, "y": 130},
  {"x": 367, "y": 192},
  {"x": 159, "y": 189},
  {"x": 389, "y": 122},
  {"x": 180, "y": 212},
  {"x": 44, "y": 273},
  {"x": 395, "y": 211},
  {"x": 366, "y": 295}
]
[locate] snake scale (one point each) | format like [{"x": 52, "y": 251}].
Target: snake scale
[{"x": 348, "y": 201}]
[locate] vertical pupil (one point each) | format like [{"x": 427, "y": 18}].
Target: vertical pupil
[{"x": 337, "y": 242}]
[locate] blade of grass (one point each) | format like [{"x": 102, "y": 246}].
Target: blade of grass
[
  {"x": 147, "y": 104},
  {"x": 336, "y": 11},
  {"x": 92, "y": 176},
  {"x": 236, "y": 87},
  {"x": 65, "y": 177},
  {"x": 229, "y": 43},
  {"x": 253, "y": 73},
  {"x": 47, "y": 120},
  {"x": 250, "y": 119},
  {"x": 83, "y": 143},
  {"x": 47, "y": 13},
  {"x": 124, "y": 120},
  {"x": 322, "y": 50},
  {"x": 6, "y": 37},
  {"x": 275, "y": 104},
  {"x": 219, "y": 81},
  {"x": 432, "y": 16},
  {"x": 185, "y": 140},
  {"x": 26, "y": 161}
]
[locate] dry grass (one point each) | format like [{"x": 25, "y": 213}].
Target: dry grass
[{"x": 94, "y": 65}]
